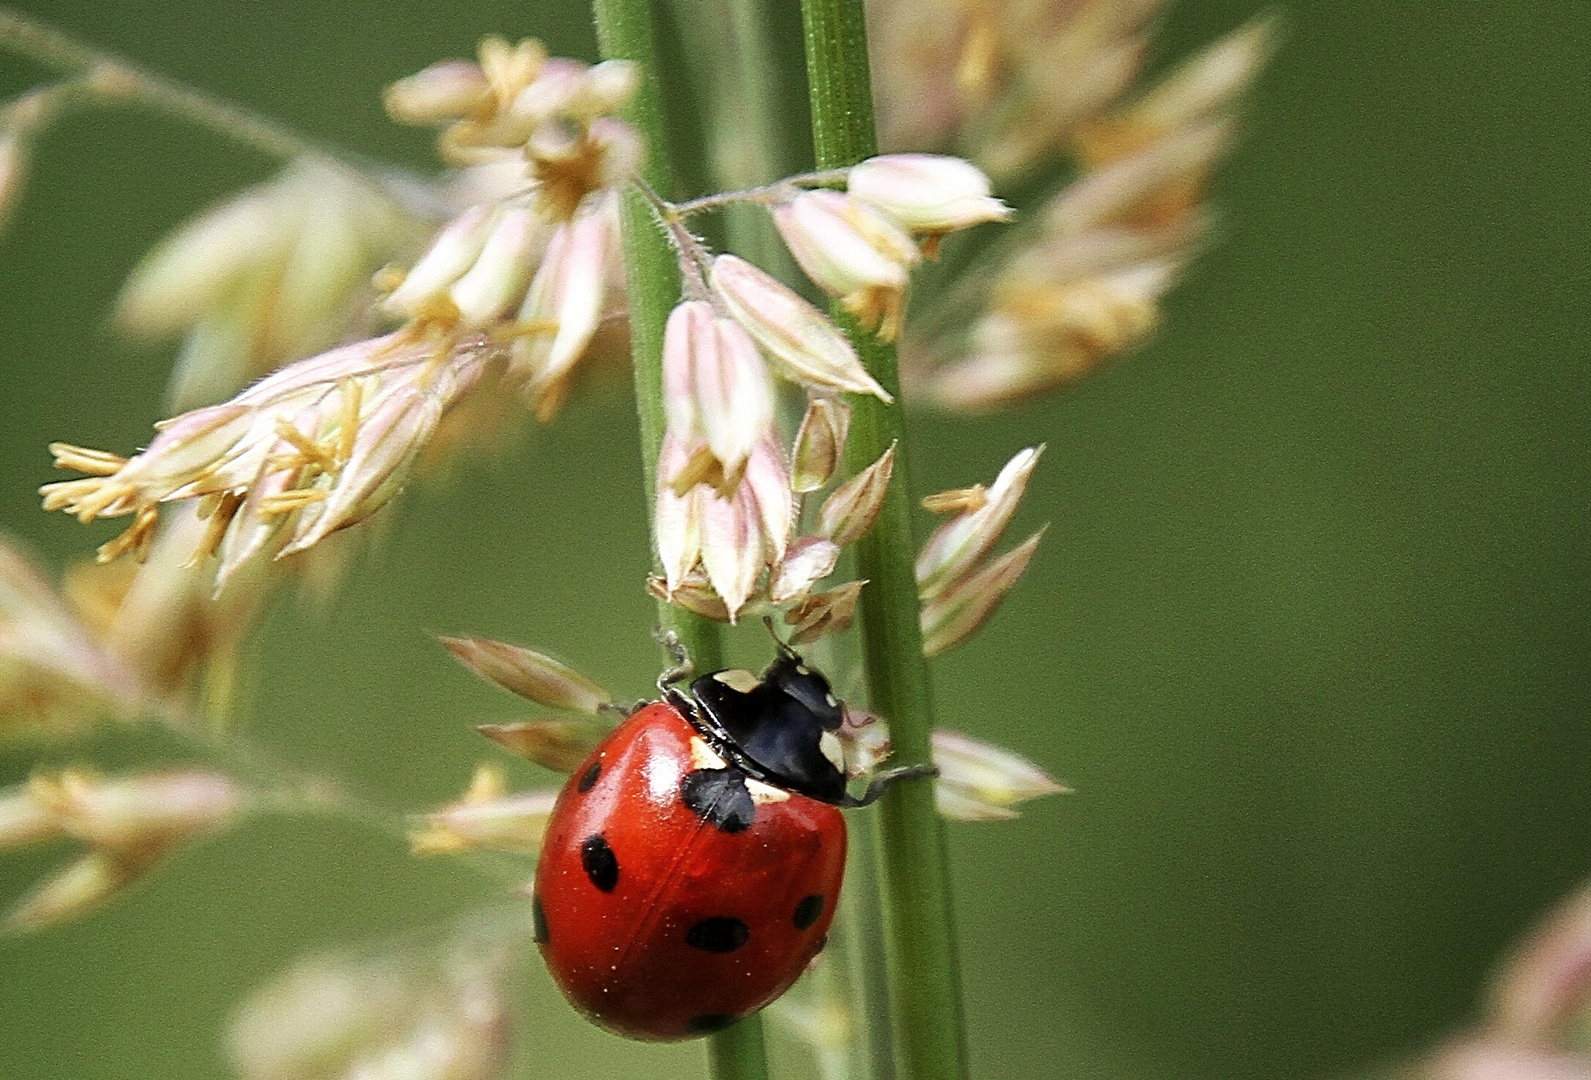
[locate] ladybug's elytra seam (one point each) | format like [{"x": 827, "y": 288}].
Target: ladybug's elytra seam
[{"x": 651, "y": 907}]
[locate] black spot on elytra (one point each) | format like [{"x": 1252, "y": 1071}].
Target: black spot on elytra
[
  {"x": 538, "y": 920},
  {"x": 719, "y": 934},
  {"x": 589, "y": 777},
  {"x": 719, "y": 796},
  {"x": 601, "y": 865},
  {"x": 706, "y": 1025},
  {"x": 807, "y": 911}
]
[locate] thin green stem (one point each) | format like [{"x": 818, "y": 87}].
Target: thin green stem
[
  {"x": 624, "y": 31},
  {"x": 861, "y": 911},
  {"x": 737, "y": 1052},
  {"x": 103, "y": 77},
  {"x": 116, "y": 79},
  {"x": 745, "y": 145},
  {"x": 288, "y": 791},
  {"x": 764, "y": 193},
  {"x": 925, "y": 987}
]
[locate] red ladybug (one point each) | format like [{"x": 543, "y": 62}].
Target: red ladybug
[{"x": 693, "y": 862}]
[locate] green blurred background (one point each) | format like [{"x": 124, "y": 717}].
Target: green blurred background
[{"x": 1308, "y": 634}]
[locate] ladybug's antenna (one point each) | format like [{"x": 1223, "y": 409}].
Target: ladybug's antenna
[{"x": 682, "y": 669}]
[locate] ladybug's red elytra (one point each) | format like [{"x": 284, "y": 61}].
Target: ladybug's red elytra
[{"x": 693, "y": 861}]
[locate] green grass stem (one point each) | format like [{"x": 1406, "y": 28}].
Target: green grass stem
[
  {"x": 924, "y": 981},
  {"x": 624, "y": 31}
]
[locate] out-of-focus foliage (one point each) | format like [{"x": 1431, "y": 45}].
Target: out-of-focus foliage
[{"x": 1307, "y": 634}]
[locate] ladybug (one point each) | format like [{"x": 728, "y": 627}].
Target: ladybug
[{"x": 693, "y": 861}]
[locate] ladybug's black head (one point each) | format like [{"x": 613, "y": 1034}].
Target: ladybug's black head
[{"x": 778, "y": 728}]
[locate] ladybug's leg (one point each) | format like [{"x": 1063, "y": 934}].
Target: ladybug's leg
[
  {"x": 682, "y": 669},
  {"x": 623, "y": 712},
  {"x": 784, "y": 649},
  {"x": 882, "y": 782}
]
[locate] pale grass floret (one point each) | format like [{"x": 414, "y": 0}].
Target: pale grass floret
[
  {"x": 966, "y": 538},
  {"x": 271, "y": 275},
  {"x": 853, "y": 507},
  {"x": 864, "y": 736},
  {"x": 927, "y": 193},
  {"x": 1152, "y": 184},
  {"x": 744, "y": 535},
  {"x": 160, "y": 620},
  {"x": 1012, "y": 86},
  {"x": 510, "y": 68},
  {"x": 330, "y": 439},
  {"x": 960, "y": 591},
  {"x": 1543, "y": 985},
  {"x": 1045, "y": 334},
  {"x": 981, "y": 782},
  {"x": 808, "y": 560},
  {"x": 437, "y": 1010},
  {"x": 444, "y": 91},
  {"x": 138, "y": 815},
  {"x": 977, "y": 781},
  {"x": 24, "y": 820},
  {"x": 818, "y": 443},
  {"x": 735, "y": 540},
  {"x": 320, "y": 1015},
  {"x": 568, "y": 164},
  {"x": 54, "y": 670},
  {"x": 423, "y": 291},
  {"x": 484, "y": 184},
  {"x": 953, "y": 615},
  {"x": 1210, "y": 81},
  {"x": 818, "y": 614},
  {"x": 564, "y": 306},
  {"x": 795, "y": 334},
  {"x": 551, "y": 113},
  {"x": 676, "y": 517},
  {"x": 486, "y": 818},
  {"x": 732, "y": 549},
  {"x": 853, "y": 251},
  {"x": 565, "y": 88},
  {"x": 1060, "y": 74},
  {"x": 1003, "y": 83},
  {"x": 530, "y": 674},
  {"x": 324, "y": 442},
  {"x": 22, "y": 120},
  {"x": 127, "y": 822},
  {"x": 75, "y": 889},
  {"x": 725, "y": 553},
  {"x": 1088, "y": 287},
  {"x": 716, "y": 391},
  {"x": 560, "y": 743}
]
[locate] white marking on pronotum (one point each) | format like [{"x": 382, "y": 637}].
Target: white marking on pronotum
[
  {"x": 702, "y": 756},
  {"x": 832, "y": 749},
  {"x": 737, "y": 679}
]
